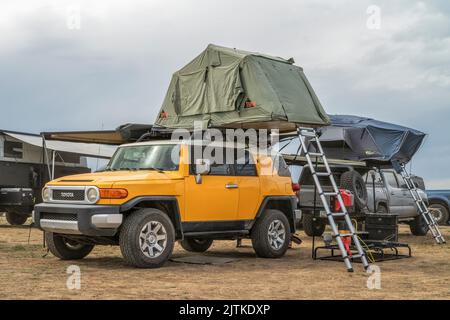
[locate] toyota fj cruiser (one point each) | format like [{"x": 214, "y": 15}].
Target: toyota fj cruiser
[{"x": 154, "y": 193}]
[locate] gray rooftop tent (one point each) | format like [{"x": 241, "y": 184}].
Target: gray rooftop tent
[
  {"x": 225, "y": 87},
  {"x": 365, "y": 139}
]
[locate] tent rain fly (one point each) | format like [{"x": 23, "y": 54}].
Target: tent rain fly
[{"x": 229, "y": 88}]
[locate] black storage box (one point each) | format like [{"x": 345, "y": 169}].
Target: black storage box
[{"x": 382, "y": 226}]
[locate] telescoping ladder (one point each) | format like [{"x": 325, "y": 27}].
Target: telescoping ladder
[
  {"x": 421, "y": 206},
  {"x": 309, "y": 134}
]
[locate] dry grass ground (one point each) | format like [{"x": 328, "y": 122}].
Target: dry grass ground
[{"x": 26, "y": 274}]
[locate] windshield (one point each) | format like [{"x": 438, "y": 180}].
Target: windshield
[{"x": 146, "y": 157}]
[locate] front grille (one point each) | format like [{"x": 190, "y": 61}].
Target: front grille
[
  {"x": 68, "y": 195},
  {"x": 59, "y": 216}
]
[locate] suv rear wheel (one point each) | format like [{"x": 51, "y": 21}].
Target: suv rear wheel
[
  {"x": 418, "y": 226},
  {"x": 271, "y": 235},
  {"x": 196, "y": 245},
  {"x": 15, "y": 219},
  {"x": 313, "y": 226},
  {"x": 66, "y": 249},
  {"x": 147, "y": 238}
]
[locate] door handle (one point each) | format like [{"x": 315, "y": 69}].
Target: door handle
[{"x": 231, "y": 186}]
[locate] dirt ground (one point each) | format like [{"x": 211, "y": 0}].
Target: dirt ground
[{"x": 27, "y": 274}]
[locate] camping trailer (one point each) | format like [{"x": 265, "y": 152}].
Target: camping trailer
[{"x": 27, "y": 163}]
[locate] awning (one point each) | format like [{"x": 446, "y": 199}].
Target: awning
[
  {"x": 103, "y": 137},
  {"x": 126, "y": 133},
  {"x": 85, "y": 149}
]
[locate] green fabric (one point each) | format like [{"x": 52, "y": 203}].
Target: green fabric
[{"x": 215, "y": 86}]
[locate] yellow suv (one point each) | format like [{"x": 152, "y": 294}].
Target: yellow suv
[{"x": 154, "y": 193}]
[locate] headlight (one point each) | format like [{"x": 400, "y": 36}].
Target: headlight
[
  {"x": 92, "y": 195},
  {"x": 46, "y": 194}
]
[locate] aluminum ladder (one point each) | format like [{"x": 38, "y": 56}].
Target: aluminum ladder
[
  {"x": 421, "y": 206},
  {"x": 306, "y": 135}
]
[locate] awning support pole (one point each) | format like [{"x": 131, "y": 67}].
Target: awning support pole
[
  {"x": 46, "y": 156},
  {"x": 53, "y": 164}
]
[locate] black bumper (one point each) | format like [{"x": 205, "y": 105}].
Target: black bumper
[{"x": 82, "y": 214}]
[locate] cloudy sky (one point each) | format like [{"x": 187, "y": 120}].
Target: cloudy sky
[{"x": 76, "y": 65}]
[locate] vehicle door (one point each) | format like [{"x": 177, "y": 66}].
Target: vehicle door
[
  {"x": 214, "y": 199},
  {"x": 249, "y": 185},
  {"x": 395, "y": 193}
]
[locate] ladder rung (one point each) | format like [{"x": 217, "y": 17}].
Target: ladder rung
[
  {"x": 315, "y": 154},
  {"x": 345, "y": 235},
  {"x": 338, "y": 214},
  {"x": 331, "y": 194},
  {"x": 322, "y": 174},
  {"x": 307, "y": 133}
]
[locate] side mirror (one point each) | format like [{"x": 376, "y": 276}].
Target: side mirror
[{"x": 202, "y": 167}]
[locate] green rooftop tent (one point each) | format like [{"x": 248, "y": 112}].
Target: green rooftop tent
[{"x": 229, "y": 88}]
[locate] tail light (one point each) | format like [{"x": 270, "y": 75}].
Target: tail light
[
  {"x": 295, "y": 187},
  {"x": 113, "y": 193}
]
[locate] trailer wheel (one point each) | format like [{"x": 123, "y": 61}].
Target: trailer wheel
[
  {"x": 147, "y": 238},
  {"x": 271, "y": 235},
  {"x": 16, "y": 219},
  {"x": 196, "y": 245},
  {"x": 66, "y": 249},
  {"x": 418, "y": 226},
  {"x": 313, "y": 226},
  {"x": 353, "y": 181}
]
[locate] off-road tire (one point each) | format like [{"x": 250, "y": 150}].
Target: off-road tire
[
  {"x": 444, "y": 213},
  {"x": 15, "y": 219},
  {"x": 65, "y": 249},
  {"x": 196, "y": 245},
  {"x": 418, "y": 226},
  {"x": 260, "y": 235},
  {"x": 313, "y": 226},
  {"x": 130, "y": 233},
  {"x": 353, "y": 181}
]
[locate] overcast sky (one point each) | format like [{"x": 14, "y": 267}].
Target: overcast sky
[{"x": 112, "y": 63}]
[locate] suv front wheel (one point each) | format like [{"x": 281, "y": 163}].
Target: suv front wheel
[
  {"x": 15, "y": 219},
  {"x": 418, "y": 226},
  {"x": 66, "y": 249},
  {"x": 271, "y": 235},
  {"x": 147, "y": 238}
]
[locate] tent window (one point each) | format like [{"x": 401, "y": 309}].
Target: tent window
[{"x": 13, "y": 149}]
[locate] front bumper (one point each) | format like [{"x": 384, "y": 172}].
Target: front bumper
[{"x": 90, "y": 220}]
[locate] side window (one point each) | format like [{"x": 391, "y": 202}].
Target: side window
[
  {"x": 369, "y": 178},
  {"x": 245, "y": 166},
  {"x": 281, "y": 166},
  {"x": 391, "y": 179},
  {"x": 217, "y": 169},
  {"x": 13, "y": 149}
]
